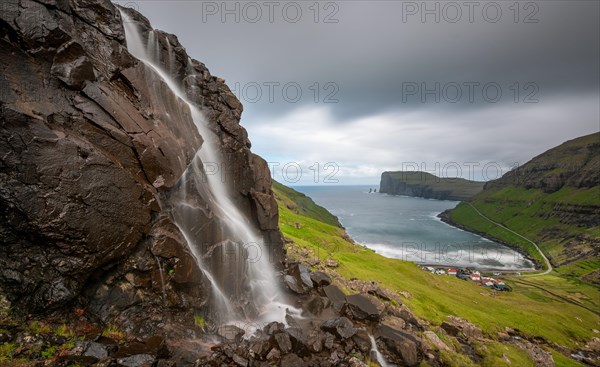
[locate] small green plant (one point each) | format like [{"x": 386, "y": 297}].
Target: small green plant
[
  {"x": 113, "y": 332},
  {"x": 7, "y": 351},
  {"x": 49, "y": 353},
  {"x": 70, "y": 344},
  {"x": 453, "y": 359},
  {"x": 199, "y": 321},
  {"x": 171, "y": 272},
  {"x": 39, "y": 327},
  {"x": 64, "y": 330}
]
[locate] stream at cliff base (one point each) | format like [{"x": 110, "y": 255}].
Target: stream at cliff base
[{"x": 408, "y": 228}]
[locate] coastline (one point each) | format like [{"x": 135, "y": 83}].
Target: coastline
[{"x": 445, "y": 217}]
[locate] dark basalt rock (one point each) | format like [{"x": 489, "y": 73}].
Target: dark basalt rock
[
  {"x": 292, "y": 360},
  {"x": 72, "y": 66},
  {"x": 89, "y": 150},
  {"x": 283, "y": 341},
  {"x": 336, "y": 296},
  {"x": 315, "y": 305},
  {"x": 361, "y": 308},
  {"x": 320, "y": 279},
  {"x": 342, "y": 327},
  {"x": 300, "y": 341},
  {"x": 138, "y": 360},
  {"x": 272, "y": 327},
  {"x": 230, "y": 333},
  {"x": 362, "y": 341},
  {"x": 402, "y": 348},
  {"x": 95, "y": 350},
  {"x": 298, "y": 279}
]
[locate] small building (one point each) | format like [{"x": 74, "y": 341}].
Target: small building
[
  {"x": 475, "y": 277},
  {"x": 462, "y": 276},
  {"x": 452, "y": 272},
  {"x": 440, "y": 271},
  {"x": 502, "y": 287}
]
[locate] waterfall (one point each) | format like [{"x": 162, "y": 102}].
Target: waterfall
[
  {"x": 243, "y": 287},
  {"x": 377, "y": 353},
  {"x": 162, "y": 279}
]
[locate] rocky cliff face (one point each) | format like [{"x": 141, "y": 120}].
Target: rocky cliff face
[
  {"x": 87, "y": 155},
  {"x": 426, "y": 185}
]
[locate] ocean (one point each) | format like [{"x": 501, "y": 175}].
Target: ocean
[{"x": 408, "y": 228}]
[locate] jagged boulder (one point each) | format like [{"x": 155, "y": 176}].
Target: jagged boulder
[
  {"x": 342, "y": 327},
  {"x": 283, "y": 341},
  {"x": 320, "y": 279},
  {"x": 456, "y": 326},
  {"x": 298, "y": 279},
  {"x": 360, "y": 307},
  {"x": 435, "y": 341},
  {"x": 335, "y": 296},
  {"x": 316, "y": 304},
  {"x": 230, "y": 333},
  {"x": 401, "y": 347}
]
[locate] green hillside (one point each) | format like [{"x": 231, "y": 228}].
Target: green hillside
[
  {"x": 301, "y": 204},
  {"x": 553, "y": 200},
  {"x": 562, "y": 318}
]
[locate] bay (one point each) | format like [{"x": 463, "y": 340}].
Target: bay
[{"x": 408, "y": 228}]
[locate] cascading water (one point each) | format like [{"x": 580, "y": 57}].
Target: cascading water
[
  {"x": 243, "y": 286},
  {"x": 162, "y": 278},
  {"x": 375, "y": 352}
]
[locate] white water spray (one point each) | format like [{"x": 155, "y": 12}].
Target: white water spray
[
  {"x": 162, "y": 278},
  {"x": 377, "y": 353},
  {"x": 237, "y": 234}
]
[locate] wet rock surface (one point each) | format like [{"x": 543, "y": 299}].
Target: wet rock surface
[
  {"x": 334, "y": 329},
  {"x": 90, "y": 147},
  {"x": 298, "y": 279}
]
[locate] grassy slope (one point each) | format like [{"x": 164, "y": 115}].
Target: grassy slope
[
  {"x": 518, "y": 203},
  {"x": 528, "y": 309},
  {"x": 522, "y": 210},
  {"x": 297, "y": 201}
]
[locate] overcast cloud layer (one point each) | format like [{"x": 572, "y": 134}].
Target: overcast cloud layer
[{"x": 512, "y": 81}]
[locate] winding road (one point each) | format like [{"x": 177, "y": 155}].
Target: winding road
[{"x": 548, "y": 264}]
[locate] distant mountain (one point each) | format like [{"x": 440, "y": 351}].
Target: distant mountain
[
  {"x": 426, "y": 185},
  {"x": 554, "y": 200},
  {"x": 575, "y": 164}
]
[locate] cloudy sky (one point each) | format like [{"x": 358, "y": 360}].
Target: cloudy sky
[{"x": 349, "y": 89}]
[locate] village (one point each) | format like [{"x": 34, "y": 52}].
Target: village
[{"x": 472, "y": 275}]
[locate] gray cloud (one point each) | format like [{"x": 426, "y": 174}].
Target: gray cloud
[{"x": 370, "y": 52}]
